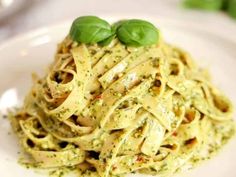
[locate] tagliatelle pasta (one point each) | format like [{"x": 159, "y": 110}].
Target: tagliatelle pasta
[{"x": 113, "y": 110}]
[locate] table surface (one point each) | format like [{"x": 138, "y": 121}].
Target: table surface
[{"x": 41, "y": 13}]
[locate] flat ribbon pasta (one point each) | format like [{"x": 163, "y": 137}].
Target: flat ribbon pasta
[{"x": 112, "y": 110}]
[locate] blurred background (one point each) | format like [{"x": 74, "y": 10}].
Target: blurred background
[{"x": 20, "y": 16}]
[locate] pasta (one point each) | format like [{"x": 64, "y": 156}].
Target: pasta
[{"x": 113, "y": 110}]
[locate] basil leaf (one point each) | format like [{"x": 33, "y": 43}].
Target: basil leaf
[
  {"x": 107, "y": 41},
  {"x": 113, "y": 29},
  {"x": 232, "y": 8},
  {"x": 90, "y": 29},
  {"x": 116, "y": 25},
  {"x": 137, "y": 33},
  {"x": 204, "y": 4},
  {"x": 225, "y": 4}
]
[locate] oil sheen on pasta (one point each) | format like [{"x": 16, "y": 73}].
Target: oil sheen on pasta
[{"x": 108, "y": 111}]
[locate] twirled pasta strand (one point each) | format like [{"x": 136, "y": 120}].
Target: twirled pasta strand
[{"x": 116, "y": 109}]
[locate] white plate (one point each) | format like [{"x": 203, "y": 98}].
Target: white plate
[
  {"x": 9, "y": 7},
  {"x": 31, "y": 52}
]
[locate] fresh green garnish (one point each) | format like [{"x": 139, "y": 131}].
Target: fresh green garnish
[
  {"x": 137, "y": 33},
  {"x": 114, "y": 28},
  {"x": 225, "y": 4},
  {"x": 116, "y": 25},
  {"x": 204, "y": 4},
  {"x": 107, "y": 41},
  {"x": 90, "y": 29},
  {"x": 231, "y": 9}
]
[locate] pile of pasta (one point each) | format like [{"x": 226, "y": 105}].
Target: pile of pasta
[{"x": 113, "y": 110}]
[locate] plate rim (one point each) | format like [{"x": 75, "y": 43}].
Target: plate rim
[
  {"x": 155, "y": 18},
  {"x": 39, "y": 31}
]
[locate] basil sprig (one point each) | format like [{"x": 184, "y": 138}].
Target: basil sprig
[
  {"x": 137, "y": 33},
  {"x": 110, "y": 38},
  {"x": 114, "y": 30},
  {"x": 91, "y": 29},
  {"x": 232, "y": 8},
  {"x": 204, "y": 4}
]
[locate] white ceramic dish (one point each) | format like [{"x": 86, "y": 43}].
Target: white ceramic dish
[
  {"x": 9, "y": 7},
  {"x": 33, "y": 51}
]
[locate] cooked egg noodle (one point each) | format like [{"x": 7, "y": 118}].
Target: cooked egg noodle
[{"x": 113, "y": 110}]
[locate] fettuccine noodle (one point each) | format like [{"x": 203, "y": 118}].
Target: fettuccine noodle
[{"x": 113, "y": 110}]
